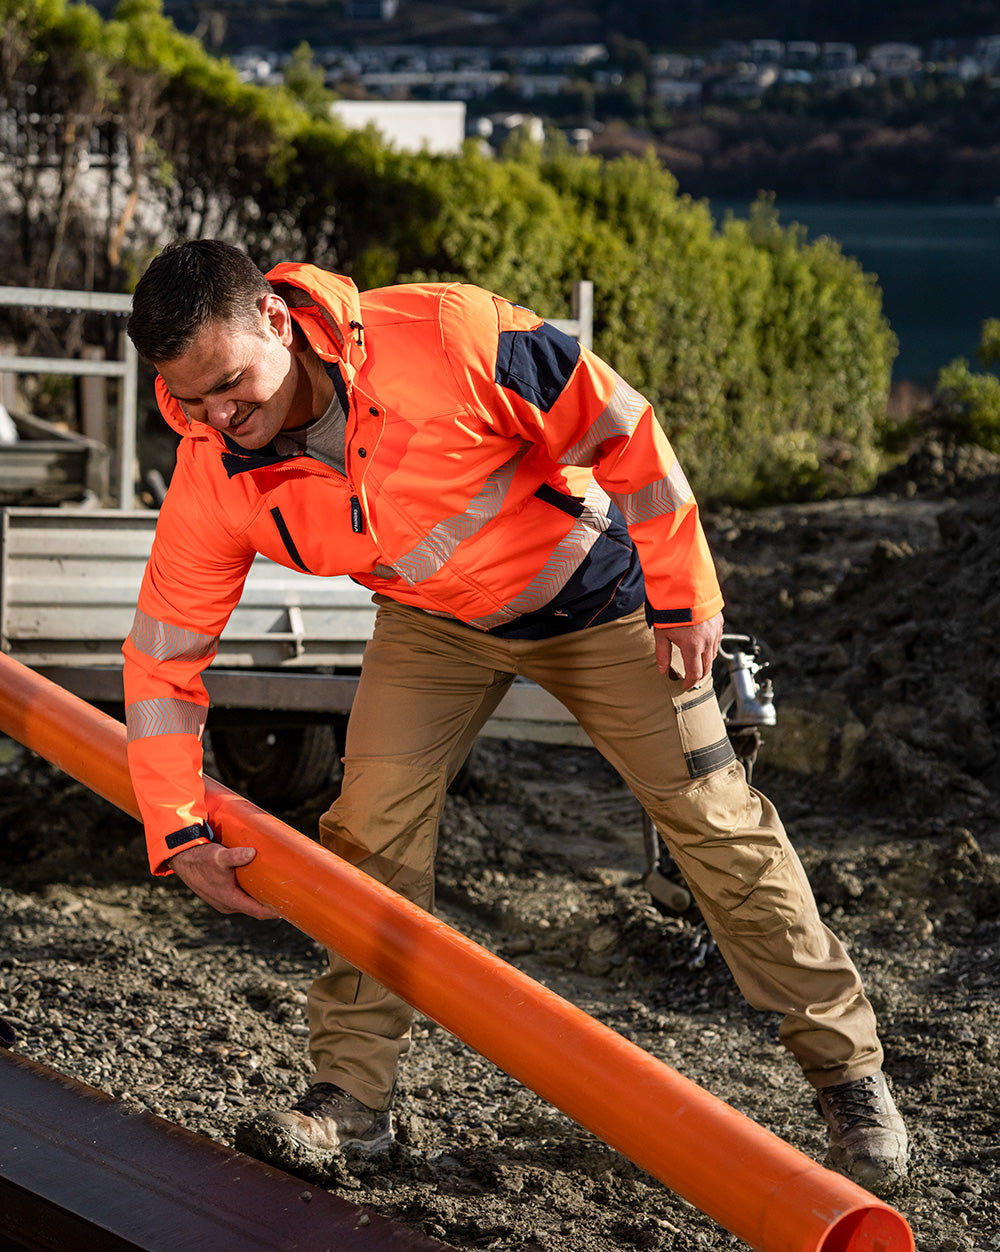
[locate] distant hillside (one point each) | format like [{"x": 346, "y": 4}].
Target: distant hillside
[{"x": 660, "y": 24}]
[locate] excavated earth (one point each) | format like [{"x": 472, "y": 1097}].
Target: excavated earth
[{"x": 880, "y": 617}]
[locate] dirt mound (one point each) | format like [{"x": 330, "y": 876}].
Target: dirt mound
[{"x": 880, "y": 615}]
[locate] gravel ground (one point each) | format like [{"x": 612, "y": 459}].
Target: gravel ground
[{"x": 879, "y": 618}]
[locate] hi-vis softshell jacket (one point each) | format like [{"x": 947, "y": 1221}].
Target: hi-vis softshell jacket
[{"x": 484, "y": 449}]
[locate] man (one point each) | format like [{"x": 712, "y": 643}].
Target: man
[{"x": 516, "y": 509}]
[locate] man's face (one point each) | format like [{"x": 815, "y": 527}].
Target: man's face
[{"x": 240, "y": 379}]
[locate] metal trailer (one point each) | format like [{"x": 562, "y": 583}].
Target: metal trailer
[
  {"x": 288, "y": 660},
  {"x": 282, "y": 684}
]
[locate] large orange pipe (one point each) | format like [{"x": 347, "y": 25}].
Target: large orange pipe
[{"x": 767, "y": 1193}]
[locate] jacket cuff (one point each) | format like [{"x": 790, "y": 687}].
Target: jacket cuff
[
  {"x": 668, "y": 617},
  {"x": 186, "y": 837}
]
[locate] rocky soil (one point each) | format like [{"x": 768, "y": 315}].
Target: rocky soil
[{"x": 881, "y": 618}]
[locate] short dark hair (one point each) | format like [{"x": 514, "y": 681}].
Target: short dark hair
[{"x": 190, "y": 284}]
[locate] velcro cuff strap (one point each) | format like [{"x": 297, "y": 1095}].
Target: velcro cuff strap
[
  {"x": 189, "y": 834},
  {"x": 667, "y": 617}
]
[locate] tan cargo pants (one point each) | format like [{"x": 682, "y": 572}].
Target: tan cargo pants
[{"x": 428, "y": 685}]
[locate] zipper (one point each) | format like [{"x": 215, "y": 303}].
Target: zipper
[
  {"x": 287, "y": 540},
  {"x": 322, "y": 471},
  {"x": 358, "y": 520},
  {"x": 376, "y": 410}
]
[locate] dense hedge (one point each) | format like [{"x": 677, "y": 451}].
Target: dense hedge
[{"x": 767, "y": 356}]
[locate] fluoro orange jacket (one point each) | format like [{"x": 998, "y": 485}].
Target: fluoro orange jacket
[{"x": 470, "y": 422}]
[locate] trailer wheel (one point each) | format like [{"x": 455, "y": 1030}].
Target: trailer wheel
[{"x": 277, "y": 767}]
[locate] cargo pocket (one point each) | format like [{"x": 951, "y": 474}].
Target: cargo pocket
[
  {"x": 734, "y": 854},
  {"x": 702, "y": 732}
]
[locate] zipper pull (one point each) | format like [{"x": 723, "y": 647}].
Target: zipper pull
[{"x": 357, "y": 517}]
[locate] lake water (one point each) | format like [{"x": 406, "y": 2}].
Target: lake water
[{"x": 938, "y": 267}]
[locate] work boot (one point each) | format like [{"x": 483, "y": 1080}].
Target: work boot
[
  {"x": 323, "y": 1122},
  {"x": 868, "y": 1141}
]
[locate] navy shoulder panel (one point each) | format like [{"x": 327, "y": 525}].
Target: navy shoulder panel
[{"x": 536, "y": 364}]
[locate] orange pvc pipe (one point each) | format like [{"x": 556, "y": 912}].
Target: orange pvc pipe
[{"x": 751, "y": 1182}]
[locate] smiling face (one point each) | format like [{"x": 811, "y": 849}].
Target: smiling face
[{"x": 242, "y": 378}]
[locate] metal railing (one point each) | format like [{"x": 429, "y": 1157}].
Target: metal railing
[
  {"x": 581, "y": 324},
  {"x": 125, "y": 367}
]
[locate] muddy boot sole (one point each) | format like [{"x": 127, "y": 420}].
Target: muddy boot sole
[{"x": 272, "y": 1144}]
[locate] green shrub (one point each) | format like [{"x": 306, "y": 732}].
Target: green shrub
[
  {"x": 767, "y": 356},
  {"x": 966, "y": 403}
]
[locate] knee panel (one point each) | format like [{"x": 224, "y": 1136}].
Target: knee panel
[
  {"x": 736, "y": 858},
  {"x": 385, "y": 821}
]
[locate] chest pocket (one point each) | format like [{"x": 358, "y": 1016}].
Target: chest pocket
[
  {"x": 567, "y": 504},
  {"x": 287, "y": 540}
]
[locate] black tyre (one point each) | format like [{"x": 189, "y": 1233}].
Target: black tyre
[{"x": 276, "y": 767}]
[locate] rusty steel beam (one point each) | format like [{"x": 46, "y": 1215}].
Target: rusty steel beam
[
  {"x": 79, "y": 1171},
  {"x": 770, "y": 1195}
]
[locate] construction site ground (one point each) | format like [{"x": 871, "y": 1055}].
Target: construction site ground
[{"x": 880, "y": 616}]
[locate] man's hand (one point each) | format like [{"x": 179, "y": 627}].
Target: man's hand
[
  {"x": 209, "y": 870},
  {"x": 697, "y": 645}
]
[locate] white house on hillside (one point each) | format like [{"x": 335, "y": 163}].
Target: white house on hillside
[
  {"x": 894, "y": 59},
  {"x": 436, "y": 126}
]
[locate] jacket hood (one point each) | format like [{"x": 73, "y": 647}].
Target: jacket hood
[{"x": 326, "y": 308}]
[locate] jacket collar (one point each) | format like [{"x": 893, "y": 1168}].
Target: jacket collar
[{"x": 327, "y": 308}]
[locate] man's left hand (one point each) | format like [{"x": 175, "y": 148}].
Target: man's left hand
[{"x": 697, "y": 645}]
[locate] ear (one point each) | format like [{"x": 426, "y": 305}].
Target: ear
[{"x": 277, "y": 319}]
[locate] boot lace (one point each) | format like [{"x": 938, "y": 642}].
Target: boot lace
[
  {"x": 854, "y": 1104},
  {"x": 318, "y": 1095}
]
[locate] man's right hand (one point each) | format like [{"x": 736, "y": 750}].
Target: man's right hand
[{"x": 209, "y": 870}]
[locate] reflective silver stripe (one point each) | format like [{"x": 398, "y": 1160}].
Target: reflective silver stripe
[
  {"x": 621, "y": 417},
  {"x": 423, "y": 561},
  {"x": 595, "y": 507},
  {"x": 666, "y": 495},
  {"x": 594, "y": 515},
  {"x": 148, "y": 718},
  {"x": 164, "y": 642},
  {"x": 559, "y": 568}
]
